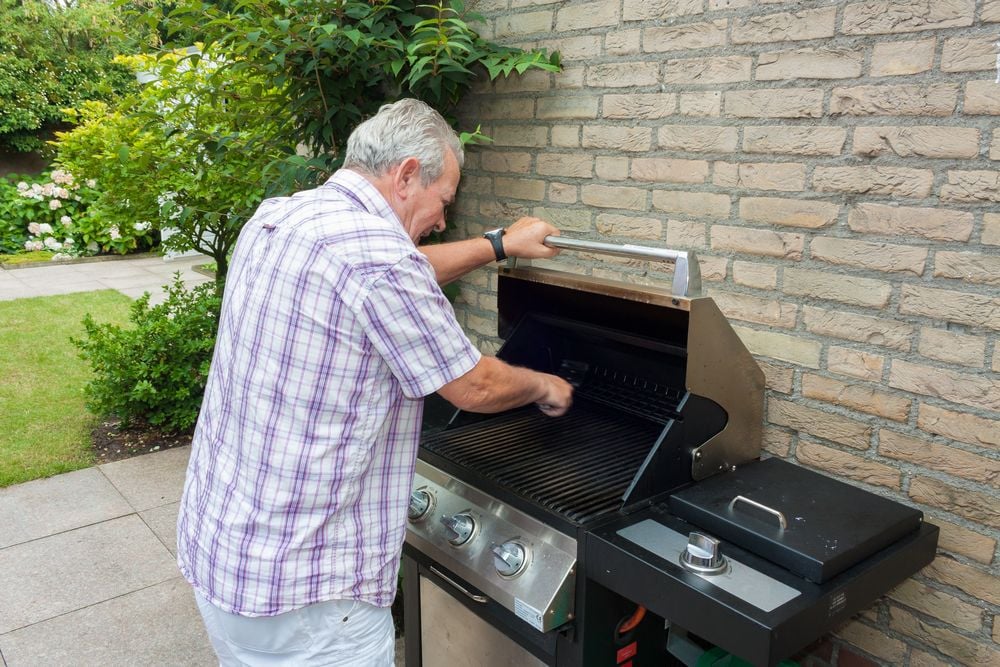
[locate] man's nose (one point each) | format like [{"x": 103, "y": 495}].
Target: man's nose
[{"x": 439, "y": 227}]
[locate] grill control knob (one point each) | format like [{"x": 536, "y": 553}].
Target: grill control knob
[
  {"x": 510, "y": 558},
  {"x": 421, "y": 502},
  {"x": 702, "y": 555},
  {"x": 461, "y": 526}
]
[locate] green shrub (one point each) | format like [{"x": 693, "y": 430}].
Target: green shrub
[{"x": 154, "y": 371}]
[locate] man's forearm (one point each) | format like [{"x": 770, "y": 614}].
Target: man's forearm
[
  {"x": 453, "y": 260},
  {"x": 494, "y": 386}
]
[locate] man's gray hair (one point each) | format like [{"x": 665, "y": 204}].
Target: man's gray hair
[{"x": 407, "y": 128}]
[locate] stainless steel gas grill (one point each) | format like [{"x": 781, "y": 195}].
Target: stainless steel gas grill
[{"x": 644, "y": 517}]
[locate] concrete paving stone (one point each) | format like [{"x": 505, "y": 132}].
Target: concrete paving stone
[
  {"x": 99, "y": 270},
  {"x": 163, "y": 522},
  {"x": 19, "y": 292},
  {"x": 152, "y": 480},
  {"x": 61, "y": 573},
  {"x": 147, "y": 281},
  {"x": 53, "y": 289},
  {"x": 48, "y": 506},
  {"x": 159, "y": 625}
]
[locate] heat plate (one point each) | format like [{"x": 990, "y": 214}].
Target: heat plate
[{"x": 578, "y": 465}]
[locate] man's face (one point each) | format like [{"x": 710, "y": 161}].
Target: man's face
[{"x": 427, "y": 205}]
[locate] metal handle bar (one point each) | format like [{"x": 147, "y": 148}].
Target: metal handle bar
[
  {"x": 482, "y": 599},
  {"x": 687, "y": 275},
  {"x": 762, "y": 507}
]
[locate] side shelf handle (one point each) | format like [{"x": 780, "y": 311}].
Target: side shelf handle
[{"x": 764, "y": 508}]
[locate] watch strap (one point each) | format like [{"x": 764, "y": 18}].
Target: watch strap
[{"x": 495, "y": 237}]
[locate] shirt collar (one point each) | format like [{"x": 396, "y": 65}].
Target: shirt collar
[{"x": 365, "y": 193}]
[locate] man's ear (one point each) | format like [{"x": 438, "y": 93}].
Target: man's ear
[{"x": 406, "y": 176}]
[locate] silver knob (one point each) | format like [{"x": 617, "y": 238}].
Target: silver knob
[
  {"x": 420, "y": 504},
  {"x": 702, "y": 555},
  {"x": 461, "y": 526},
  {"x": 510, "y": 558}
]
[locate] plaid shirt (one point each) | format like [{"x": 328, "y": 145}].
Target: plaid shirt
[{"x": 332, "y": 330}]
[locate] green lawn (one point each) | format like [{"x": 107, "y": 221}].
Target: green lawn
[{"x": 44, "y": 426}]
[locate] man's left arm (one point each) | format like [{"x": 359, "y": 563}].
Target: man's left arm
[{"x": 523, "y": 239}]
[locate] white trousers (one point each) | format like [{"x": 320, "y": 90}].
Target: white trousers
[{"x": 337, "y": 633}]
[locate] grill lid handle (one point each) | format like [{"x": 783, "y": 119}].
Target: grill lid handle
[{"x": 687, "y": 275}]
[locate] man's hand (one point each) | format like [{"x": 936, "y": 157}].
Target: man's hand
[
  {"x": 524, "y": 239},
  {"x": 558, "y": 398}
]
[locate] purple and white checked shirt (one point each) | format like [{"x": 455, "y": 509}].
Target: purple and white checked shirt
[{"x": 332, "y": 330}]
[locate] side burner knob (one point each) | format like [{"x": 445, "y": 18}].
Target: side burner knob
[
  {"x": 420, "y": 504},
  {"x": 702, "y": 555},
  {"x": 461, "y": 526},
  {"x": 510, "y": 558}
]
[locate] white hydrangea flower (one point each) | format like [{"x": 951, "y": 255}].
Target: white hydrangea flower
[
  {"x": 66, "y": 221},
  {"x": 52, "y": 244},
  {"x": 141, "y": 226},
  {"x": 34, "y": 228},
  {"x": 91, "y": 183},
  {"x": 114, "y": 233},
  {"x": 22, "y": 187},
  {"x": 55, "y": 204},
  {"x": 93, "y": 247},
  {"x": 45, "y": 228}
]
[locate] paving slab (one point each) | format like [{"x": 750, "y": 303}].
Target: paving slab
[
  {"x": 48, "y": 506},
  {"x": 151, "y": 480},
  {"x": 163, "y": 522},
  {"x": 159, "y": 625}
]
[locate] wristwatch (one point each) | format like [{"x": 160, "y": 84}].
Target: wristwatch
[{"x": 495, "y": 236}]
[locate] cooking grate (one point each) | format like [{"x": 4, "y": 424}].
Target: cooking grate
[{"x": 635, "y": 395}]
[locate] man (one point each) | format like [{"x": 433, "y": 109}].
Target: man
[{"x": 332, "y": 329}]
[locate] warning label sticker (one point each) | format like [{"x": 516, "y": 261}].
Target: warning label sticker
[{"x": 527, "y": 613}]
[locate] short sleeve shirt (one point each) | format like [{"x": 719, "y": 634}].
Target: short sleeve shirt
[{"x": 332, "y": 330}]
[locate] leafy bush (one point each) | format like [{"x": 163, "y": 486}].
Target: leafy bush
[
  {"x": 154, "y": 371},
  {"x": 13, "y": 228}
]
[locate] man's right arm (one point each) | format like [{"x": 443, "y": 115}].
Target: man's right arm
[{"x": 494, "y": 386}]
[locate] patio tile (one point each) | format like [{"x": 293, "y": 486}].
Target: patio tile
[
  {"x": 163, "y": 522},
  {"x": 159, "y": 625},
  {"x": 145, "y": 280},
  {"x": 151, "y": 480},
  {"x": 48, "y": 506},
  {"x": 61, "y": 573},
  {"x": 52, "y": 288}
]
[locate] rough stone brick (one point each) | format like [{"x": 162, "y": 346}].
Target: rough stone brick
[
  {"x": 809, "y": 64},
  {"x": 872, "y": 640},
  {"x": 960, "y": 426},
  {"x": 711, "y": 70},
  {"x": 749, "y": 308},
  {"x": 785, "y": 26},
  {"x": 606, "y": 196},
  {"x": 990, "y": 11},
  {"x": 778, "y": 443},
  {"x": 753, "y": 274},
  {"x": 517, "y": 108},
  {"x": 843, "y": 464},
  {"x": 877, "y": 256},
  {"x": 951, "y": 347},
  {"x": 573, "y": 165},
  {"x": 964, "y": 542},
  {"x": 971, "y": 580},
  {"x": 639, "y": 105},
  {"x": 837, "y": 287},
  {"x": 641, "y": 10},
  {"x": 566, "y": 136},
  {"x": 982, "y": 97},
  {"x": 995, "y": 146},
  {"x": 667, "y": 170},
  {"x": 819, "y": 423},
  {"x": 757, "y": 242},
  {"x": 585, "y": 16},
  {"x": 706, "y": 103},
  {"x": 971, "y": 505},
  {"x": 936, "y": 99},
  {"x": 784, "y": 347},
  {"x": 858, "y": 397},
  {"x": 897, "y": 58},
  {"x": 793, "y": 140},
  {"x": 520, "y": 135},
  {"x": 499, "y": 161},
  {"x": 659, "y": 39},
  {"x": 621, "y": 225},
  {"x": 920, "y": 658},
  {"x": 991, "y": 229},
  {"x": 964, "y": 650},
  {"x": 566, "y": 219},
  {"x": 684, "y": 234},
  {"x": 931, "y": 141},
  {"x": 715, "y": 5},
  {"x": 617, "y": 138},
  {"x": 713, "y": 269},
  {"x": 859, "y": 328},
  {"x": 896, "y": 181},
  {"x": 519, "y": 188},
  {"x": 775, "y": 103},
  {"x": 954, "y": 386},
  {"x": 996, "y": 357},
  {"x": 781, "y": 176},
  {"x": 968, "y": 266},
  {"x": 899, "y": 16},
  {"x": 789, "y": 212},
  {"x": 777, "y": 378},
  {"x": 622, "y": 42},
  {"x": 563, "y": 193},
  {"x": 855, "y": 363},
  {"x": 612, "y": 168},
  {"x": 694, "y": 204},
  {"x": 931, "y": 223},
  {"x": 527, "y": 23},
  {"x": 698, "y": 138},
  {"x": 972, "y": 186},
  {"x": 501, "y": 210},
  {"x": 969, "y": 54},
  {"x": 939, "y": 604},
  {"x": 571, "y": 106},
  {"x": 950, "y": 460},
  {"x": 623, "y": 75},
  {"x": 570, "y": 78}
]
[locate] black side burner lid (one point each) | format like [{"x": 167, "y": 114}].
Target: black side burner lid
[{"x": 830, "y": 525}]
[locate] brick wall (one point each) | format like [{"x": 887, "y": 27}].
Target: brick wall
[{"x": 833, "y": 165}]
